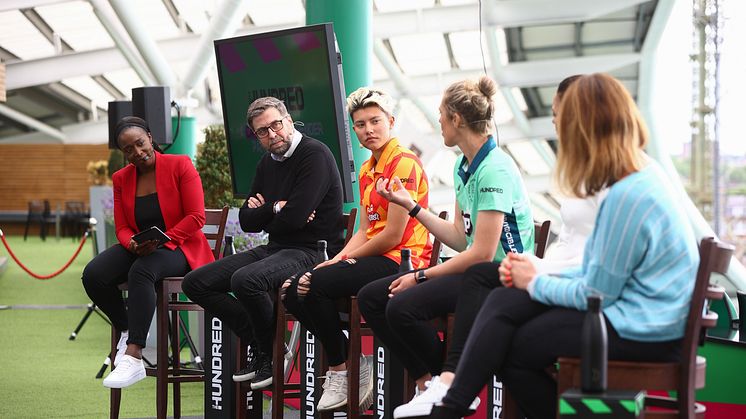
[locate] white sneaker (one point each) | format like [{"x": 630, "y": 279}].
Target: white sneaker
[
  {"x": 129, "y": 371},
  {"x": 335, "y": 391},
  {"x": 423, "y": 403},
  {"x": 366, "y": 382},
  {"x": 121, "y": 346}
]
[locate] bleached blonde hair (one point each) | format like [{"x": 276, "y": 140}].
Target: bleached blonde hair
[{"x": 368, "y": 96}]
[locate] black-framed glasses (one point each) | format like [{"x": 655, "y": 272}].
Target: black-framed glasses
[{"x": 274, "y": 126}]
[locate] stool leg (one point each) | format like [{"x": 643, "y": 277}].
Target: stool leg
[
  {"x": 278, "y": 362},
  {"x": 115, "y": 394},
  {"x": 161, "y": 391},
  {"x": 176, "y": 360},
  {"x": 353, "y": 363}
]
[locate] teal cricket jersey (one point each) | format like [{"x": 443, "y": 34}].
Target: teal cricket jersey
[{"x": 493, "y": 183}]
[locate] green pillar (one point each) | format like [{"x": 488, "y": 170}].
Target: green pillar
[
  {"x": 186, "y": 142},
  {"x": 353, "y": 27}
]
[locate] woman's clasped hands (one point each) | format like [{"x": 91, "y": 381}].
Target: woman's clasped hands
[{"x": 516, "y": 270}]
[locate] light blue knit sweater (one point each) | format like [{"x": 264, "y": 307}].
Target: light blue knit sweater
[{"x": 641, "y": 257}]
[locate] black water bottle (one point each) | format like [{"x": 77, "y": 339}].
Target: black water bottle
[
  {"x": 229, "y": 248},
  {"x": 593, "y": 350},
  {"x": 406, "y": 260},
  {"x": 321, "y": 255}
]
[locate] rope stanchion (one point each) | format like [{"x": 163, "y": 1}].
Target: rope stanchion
[{"x": 35, "y": 275}]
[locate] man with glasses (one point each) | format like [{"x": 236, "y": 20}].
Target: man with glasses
[{"x": 296, "y": 197}]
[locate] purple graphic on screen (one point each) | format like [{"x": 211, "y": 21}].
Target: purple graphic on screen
[
  {"x": 306, "y": 41},
  {"x": 249, "y": 133},
  {"x": 267, "y": 50},
  {"x": 230, "y": 58}
]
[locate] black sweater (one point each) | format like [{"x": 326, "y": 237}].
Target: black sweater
[{"x": 308, "y": 181}]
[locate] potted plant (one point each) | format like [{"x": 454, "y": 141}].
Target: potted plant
[{"x": 213, "y": 166}]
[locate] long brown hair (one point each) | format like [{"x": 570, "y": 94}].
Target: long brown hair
[{"x": 601, "y": 135}]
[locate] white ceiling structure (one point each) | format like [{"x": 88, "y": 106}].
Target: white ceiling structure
[{"x": 66, "y": 59}]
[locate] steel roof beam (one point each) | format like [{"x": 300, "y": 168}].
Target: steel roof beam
[
  {"x": 401, "y": 82},
  {"x": 113, "y": 27},
  {"x": 36, "y": 72},
  {"x": 226, "y": 19},
  {"x": 8, "y": 5},
  {"x": 147, "y": 47},
  {"x": 31, "y": 122}
]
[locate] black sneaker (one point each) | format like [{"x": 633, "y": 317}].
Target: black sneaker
[
  {"x": 249, "y": 372},
  {"x": 263, "y": 376}
]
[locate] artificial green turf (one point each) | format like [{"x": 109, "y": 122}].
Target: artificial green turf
[{"x": 42, "y": 373}]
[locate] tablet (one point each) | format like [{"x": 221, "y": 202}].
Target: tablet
[{"x": 152, "y": 233}]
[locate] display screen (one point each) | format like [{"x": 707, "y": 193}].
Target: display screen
[{"x": 300, "y": 66}]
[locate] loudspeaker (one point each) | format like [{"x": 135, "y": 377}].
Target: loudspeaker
[
  {"x": 117, "y": 110},
  {"x": 153, "y": 104}
]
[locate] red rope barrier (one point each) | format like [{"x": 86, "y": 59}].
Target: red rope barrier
[{"x": 35, "y": 275}]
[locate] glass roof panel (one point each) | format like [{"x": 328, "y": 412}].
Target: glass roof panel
[
  {"x": 422, "y": 53},
  {"x": 528, "y": 158},
  {"x": 608, "y": 31},
  {"x": 547, "y": 35},
  {"x": 414, "y": 116},
  {"x": 456, "y": 2},
  {"x": 76, "y": 24},
  {"x": 502, "y": 45},
  {"x": 276, "y": 12},
  {"x": 518, "y": 96},
  {"x": 399, "y": 5},
  {"x": 195, "y": 13},
  {"x": 87, "y": 87},
  {"x": 21, "y": 38},
  {"x": 502, "y": 110},
  {"x": 466, "y": 50},
  {"x": 124, "y": 80},
  {"x": 378, "y": 72},
  {"x": 155, "y": 19}
]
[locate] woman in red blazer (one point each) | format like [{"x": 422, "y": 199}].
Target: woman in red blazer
[{"x": 155, "y": 189}]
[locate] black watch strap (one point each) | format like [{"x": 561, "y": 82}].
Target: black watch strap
[{"x": 420, "y": 276}]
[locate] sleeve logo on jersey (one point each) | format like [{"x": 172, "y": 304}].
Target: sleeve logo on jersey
[
  {"x": 372, "y": 216},
  {"x": 467, "y": 223},
  {"x": 490, "y": 189}
]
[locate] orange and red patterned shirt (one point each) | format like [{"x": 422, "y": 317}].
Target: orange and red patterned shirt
[{"x": 396, "y": 161}]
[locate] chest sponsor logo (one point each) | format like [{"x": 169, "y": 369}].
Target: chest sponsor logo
[
  {"x": 372, "y": 215},
  {"x": 467, "y": 223}
]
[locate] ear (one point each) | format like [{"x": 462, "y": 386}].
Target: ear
[
  {"x": 392, "y": 120},
  {"x": 457, "y": 120}
]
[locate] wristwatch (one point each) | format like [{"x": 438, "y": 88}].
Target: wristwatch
[
  {"x": 420, "y": 276},
  {"x": 276, "y": 208}
]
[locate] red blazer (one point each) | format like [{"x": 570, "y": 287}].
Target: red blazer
[{"x": 181, "y": 199}]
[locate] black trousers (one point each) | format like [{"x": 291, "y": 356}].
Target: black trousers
[
  {"x": 403, "y": 323},
  {"x": 117, "y": 265},
  {"x": 251, "y": 276},
  {"x": 318, "y": 311},
  {"x": 517, "y": 338}
]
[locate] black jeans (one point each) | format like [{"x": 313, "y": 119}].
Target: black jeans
[
  {"x": 251, "y": 276},
  {"x": 318, "y": 311},
  {"x": 403, "y": 323},
  {"x": 518, "y": 338},
  {"x": 117, "y": 265}
]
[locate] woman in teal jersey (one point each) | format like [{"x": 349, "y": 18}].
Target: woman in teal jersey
[{"x": 492, "y": 218}]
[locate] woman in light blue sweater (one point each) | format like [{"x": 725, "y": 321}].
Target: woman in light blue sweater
[{"x": 641, "y": 257}]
